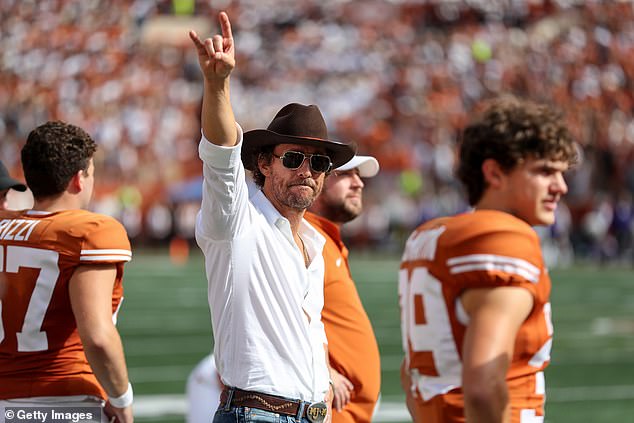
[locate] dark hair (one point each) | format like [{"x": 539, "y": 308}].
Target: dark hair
[
  {"x": 511, "y": 130},
  {"x": 53, "y": 153},
  {"x": 266, "y": 153}
]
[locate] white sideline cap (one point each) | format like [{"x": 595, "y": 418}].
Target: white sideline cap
[{"x": 368, "y": 166}]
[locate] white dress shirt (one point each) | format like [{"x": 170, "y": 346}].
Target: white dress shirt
[{"x": 265, "y": 304}]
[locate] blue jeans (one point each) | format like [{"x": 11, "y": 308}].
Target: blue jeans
[{"x": 252, "y": 415}]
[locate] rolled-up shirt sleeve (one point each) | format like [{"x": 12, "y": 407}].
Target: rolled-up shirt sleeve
[
  {"x": 224, "y": 195},
  {"x": 258, "y": 284}
]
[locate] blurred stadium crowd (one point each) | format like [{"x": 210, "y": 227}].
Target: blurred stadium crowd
[{"x": 399, "y": 77}]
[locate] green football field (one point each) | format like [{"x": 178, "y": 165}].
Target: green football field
[{"x": 166, "y": 330}]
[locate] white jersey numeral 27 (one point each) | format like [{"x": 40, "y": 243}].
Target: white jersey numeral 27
[{"x": 31, "y": 338}]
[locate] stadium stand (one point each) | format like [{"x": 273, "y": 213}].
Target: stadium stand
[{"x": 400, "y": 77}]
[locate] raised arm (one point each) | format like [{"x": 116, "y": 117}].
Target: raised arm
[{"x": 216, "y": 58}]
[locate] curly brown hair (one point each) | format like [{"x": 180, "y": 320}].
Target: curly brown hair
[
  {"x": 511, "y": 130},
  {"x": 53, "y": 153}
]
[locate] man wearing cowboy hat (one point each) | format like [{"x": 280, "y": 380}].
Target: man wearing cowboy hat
[
  {"x": 7, "y": 183},
  {"x": 264, "y": 262},
  {"x": 352, "y": 348}
]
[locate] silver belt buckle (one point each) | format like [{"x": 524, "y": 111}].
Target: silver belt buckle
[{"x": 316, "y": 412}]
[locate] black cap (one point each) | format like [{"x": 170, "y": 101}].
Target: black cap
[{"x": 7, "y": 182}]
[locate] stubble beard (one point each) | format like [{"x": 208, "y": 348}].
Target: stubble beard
[
  {"x": 346, "y": 212},
  {"x": 297, "y": 201},
  {"x": 341, "y": 211}
]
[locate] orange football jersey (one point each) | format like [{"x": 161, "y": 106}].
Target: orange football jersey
[
  {"x": 352, "y": 346},
  {"x": 442, "y": 259},
  {"x": 40, "y": 350}
]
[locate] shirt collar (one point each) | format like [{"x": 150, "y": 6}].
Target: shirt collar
[
  {"x": 267, "y": 209},
  {"x": 314, "y": 240}
]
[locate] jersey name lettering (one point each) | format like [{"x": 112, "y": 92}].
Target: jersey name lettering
[
  {"x": 17, "y": 229},
  {"x": 422, "y": 245}
]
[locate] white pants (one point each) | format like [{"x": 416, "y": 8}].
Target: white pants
[
  {"x": 57, "y": 403},
  {"x": 203, "y": 391}
]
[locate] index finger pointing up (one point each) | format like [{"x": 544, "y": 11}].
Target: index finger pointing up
[{"x": 225, "y": 25}]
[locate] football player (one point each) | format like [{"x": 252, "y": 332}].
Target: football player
[
  {"x": 474, "y": 290},
  {"x": 61, "y": 270}
]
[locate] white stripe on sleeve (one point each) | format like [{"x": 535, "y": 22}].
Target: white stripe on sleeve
[
  {"x": 100, "y": 252},
  {"x": 504, "y": 264},
  {"x": 105, "y": 255}
]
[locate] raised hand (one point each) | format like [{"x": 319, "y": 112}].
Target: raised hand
[{"x": 216, "y": 55}]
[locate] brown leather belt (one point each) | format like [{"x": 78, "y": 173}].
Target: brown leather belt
[{"x": 315, "y": 412}]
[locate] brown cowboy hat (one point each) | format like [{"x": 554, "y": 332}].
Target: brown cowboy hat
[{"x": 295, "y": 124}]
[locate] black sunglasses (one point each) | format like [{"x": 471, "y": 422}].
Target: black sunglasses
[{"x": 294, "y": 159}]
